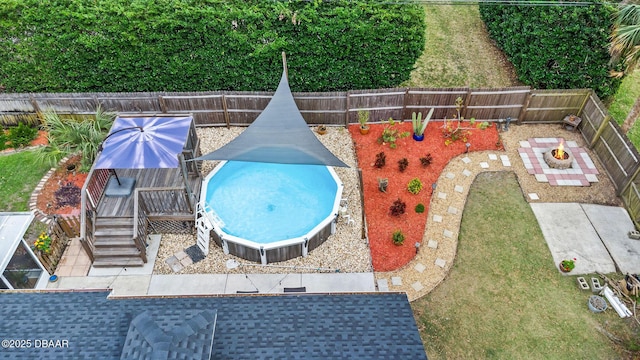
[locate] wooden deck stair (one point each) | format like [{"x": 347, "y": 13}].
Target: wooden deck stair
[{"x": 114, "y": 245}]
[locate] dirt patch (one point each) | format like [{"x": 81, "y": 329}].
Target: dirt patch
[{"x": 61, "y": 193}]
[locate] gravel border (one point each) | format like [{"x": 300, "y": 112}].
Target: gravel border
[{"x": 344, "y": 251}]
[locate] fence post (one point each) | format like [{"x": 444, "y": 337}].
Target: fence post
[
  {"x": 467, "y": 98},
  {"x": 629, "y": 180},
  {"x": 346, "y": 113},
  {"x": 523, "y": 109},
  {"x": 163, "y": 106},
  {"x": 404, "y": 105},
  {"x": 226, "y": 113},
  {"x": 584, "y": 103},
  {"x": 600, "y": 130}
]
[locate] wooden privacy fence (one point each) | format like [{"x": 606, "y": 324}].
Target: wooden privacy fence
[
  {"x": 218, "y": 108},
  {"x": 224, "y": 108},
  {"x": 61, "y": 229},
  {"x": 616, "y": 153}
]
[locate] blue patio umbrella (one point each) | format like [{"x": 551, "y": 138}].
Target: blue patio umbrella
[{"x": 144, "y": 143}]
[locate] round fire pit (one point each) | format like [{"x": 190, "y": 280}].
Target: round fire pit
[{"x": 556, "y": 163}]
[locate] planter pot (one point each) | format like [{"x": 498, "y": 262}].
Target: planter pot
[
  {"x": 321, "y": 131},
  {"x": 364, "y": 130},
  {"x": 597, "y": 304},
  {"x": 564, "y": 268},
  {"x": 417, "y": 137}
]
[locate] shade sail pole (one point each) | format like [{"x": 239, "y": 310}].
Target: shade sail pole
[{"x": 284, "y": 64}]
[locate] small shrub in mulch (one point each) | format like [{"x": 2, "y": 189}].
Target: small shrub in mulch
[
  {"x": 420, "y": 208},
  {"x": 381, "y": 160},
  {"x": 398, "y": 208},
  {"x": 67, "y": 195},
  {"x": 398, "y": 237},
  {"x": 402, "y": 164},
  {"x": 426, "y": 160}
]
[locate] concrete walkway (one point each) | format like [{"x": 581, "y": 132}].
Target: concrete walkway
[
  {"x": 595, "y": 235},
  {"x": 140, "y": 281},
  {"x": 215, "y": 284}
]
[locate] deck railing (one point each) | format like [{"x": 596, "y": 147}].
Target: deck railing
[
  {"x": 92, "y": 192},
  {"x": 140, "y": 222}
]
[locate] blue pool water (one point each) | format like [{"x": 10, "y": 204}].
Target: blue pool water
[{"x": 265, "y": 202}]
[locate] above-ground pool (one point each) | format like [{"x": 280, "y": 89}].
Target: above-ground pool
[{"x": 269, "y": 212}]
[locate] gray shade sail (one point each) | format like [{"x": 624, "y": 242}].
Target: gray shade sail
[{"x": 279, "y": 135}]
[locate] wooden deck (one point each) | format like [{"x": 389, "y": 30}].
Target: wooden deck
[{"x": 145, "y": 178}]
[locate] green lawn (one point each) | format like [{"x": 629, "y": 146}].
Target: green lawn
[
  {"x": 19, "y": 176},
  {"x": 458, "y": 51},
  {"x": 504, "y": 297},
  {"x": 625, "y": 97}
]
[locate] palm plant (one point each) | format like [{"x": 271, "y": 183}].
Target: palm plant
[
  {"x": 625, "y": 49},
  {"x": 69, "y": 136}
]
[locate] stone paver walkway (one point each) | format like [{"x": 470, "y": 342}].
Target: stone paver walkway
[{"x": 432, "y": 263}]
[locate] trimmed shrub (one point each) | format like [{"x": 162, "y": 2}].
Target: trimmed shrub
[
  {"x": 420, "y": 208},
  {"x": 125, "y": 46},
  {"x": 555, "y": 47}
]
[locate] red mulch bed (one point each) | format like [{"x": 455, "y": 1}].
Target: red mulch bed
[{"x": 387, "y": 256}]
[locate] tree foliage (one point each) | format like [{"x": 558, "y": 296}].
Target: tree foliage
[
  {"x": 560, "y": 47},
  {"x": 200, "y": 45}
]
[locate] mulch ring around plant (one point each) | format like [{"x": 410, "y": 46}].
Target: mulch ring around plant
[
  {"x": 387, "y": 256},
  {"x": 61, "y": 193}
]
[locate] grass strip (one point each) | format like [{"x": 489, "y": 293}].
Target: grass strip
[{"x": 19, "y": 177}]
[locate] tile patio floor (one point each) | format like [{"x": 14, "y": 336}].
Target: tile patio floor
[{"x": 74, "y": 261}]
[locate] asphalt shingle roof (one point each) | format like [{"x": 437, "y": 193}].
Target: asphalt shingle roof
[{"x": 342, "y": 326}]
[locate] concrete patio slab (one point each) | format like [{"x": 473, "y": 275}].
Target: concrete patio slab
[
  {"x": 82, "y": 283},
  {"x": 339, "y": 282},
  {"x": 569, "y": 234},
  {"x": 612, "y": 225},
  {"x": 136, "y": 285}
]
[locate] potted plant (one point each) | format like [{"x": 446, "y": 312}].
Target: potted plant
[
  {"x": 363, "y": 117},
  {"x": 322, "y": 129},
  {"x": 567, "y": 265},
  {"x": 420, "y": 126}
]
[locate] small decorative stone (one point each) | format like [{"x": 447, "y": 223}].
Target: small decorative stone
[
  {"x": 432, "y": 244},
  {"x": 441, "y": 262},
  {"x": 396, "y": 281},
  {"x": 419, "y": 267},
  {"x": 450, "y": 175},
  {"x": 383, "y": 285},
  {"x": 541, "y": 178},
  {"x": 466, "y": 160},
  {"x": 442, "y": 195},
  {"x": 437, "y": 218},
  {"x": 493, "y": 157},
  {"x": 466, "y": 173},
  {"x": 458, "y": 188},
  {"x": 447, "y": 233},
  {"x": 484, "y": 165},
  {"x": 452, "y": 210},
  {"x": 417, "y": 286},
  {"x": 534, "y": 196}
]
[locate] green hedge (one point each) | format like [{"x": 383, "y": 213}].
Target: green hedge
[
  {"x": 555, "y": 47},
  {"x": 199, "y": 45}
]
